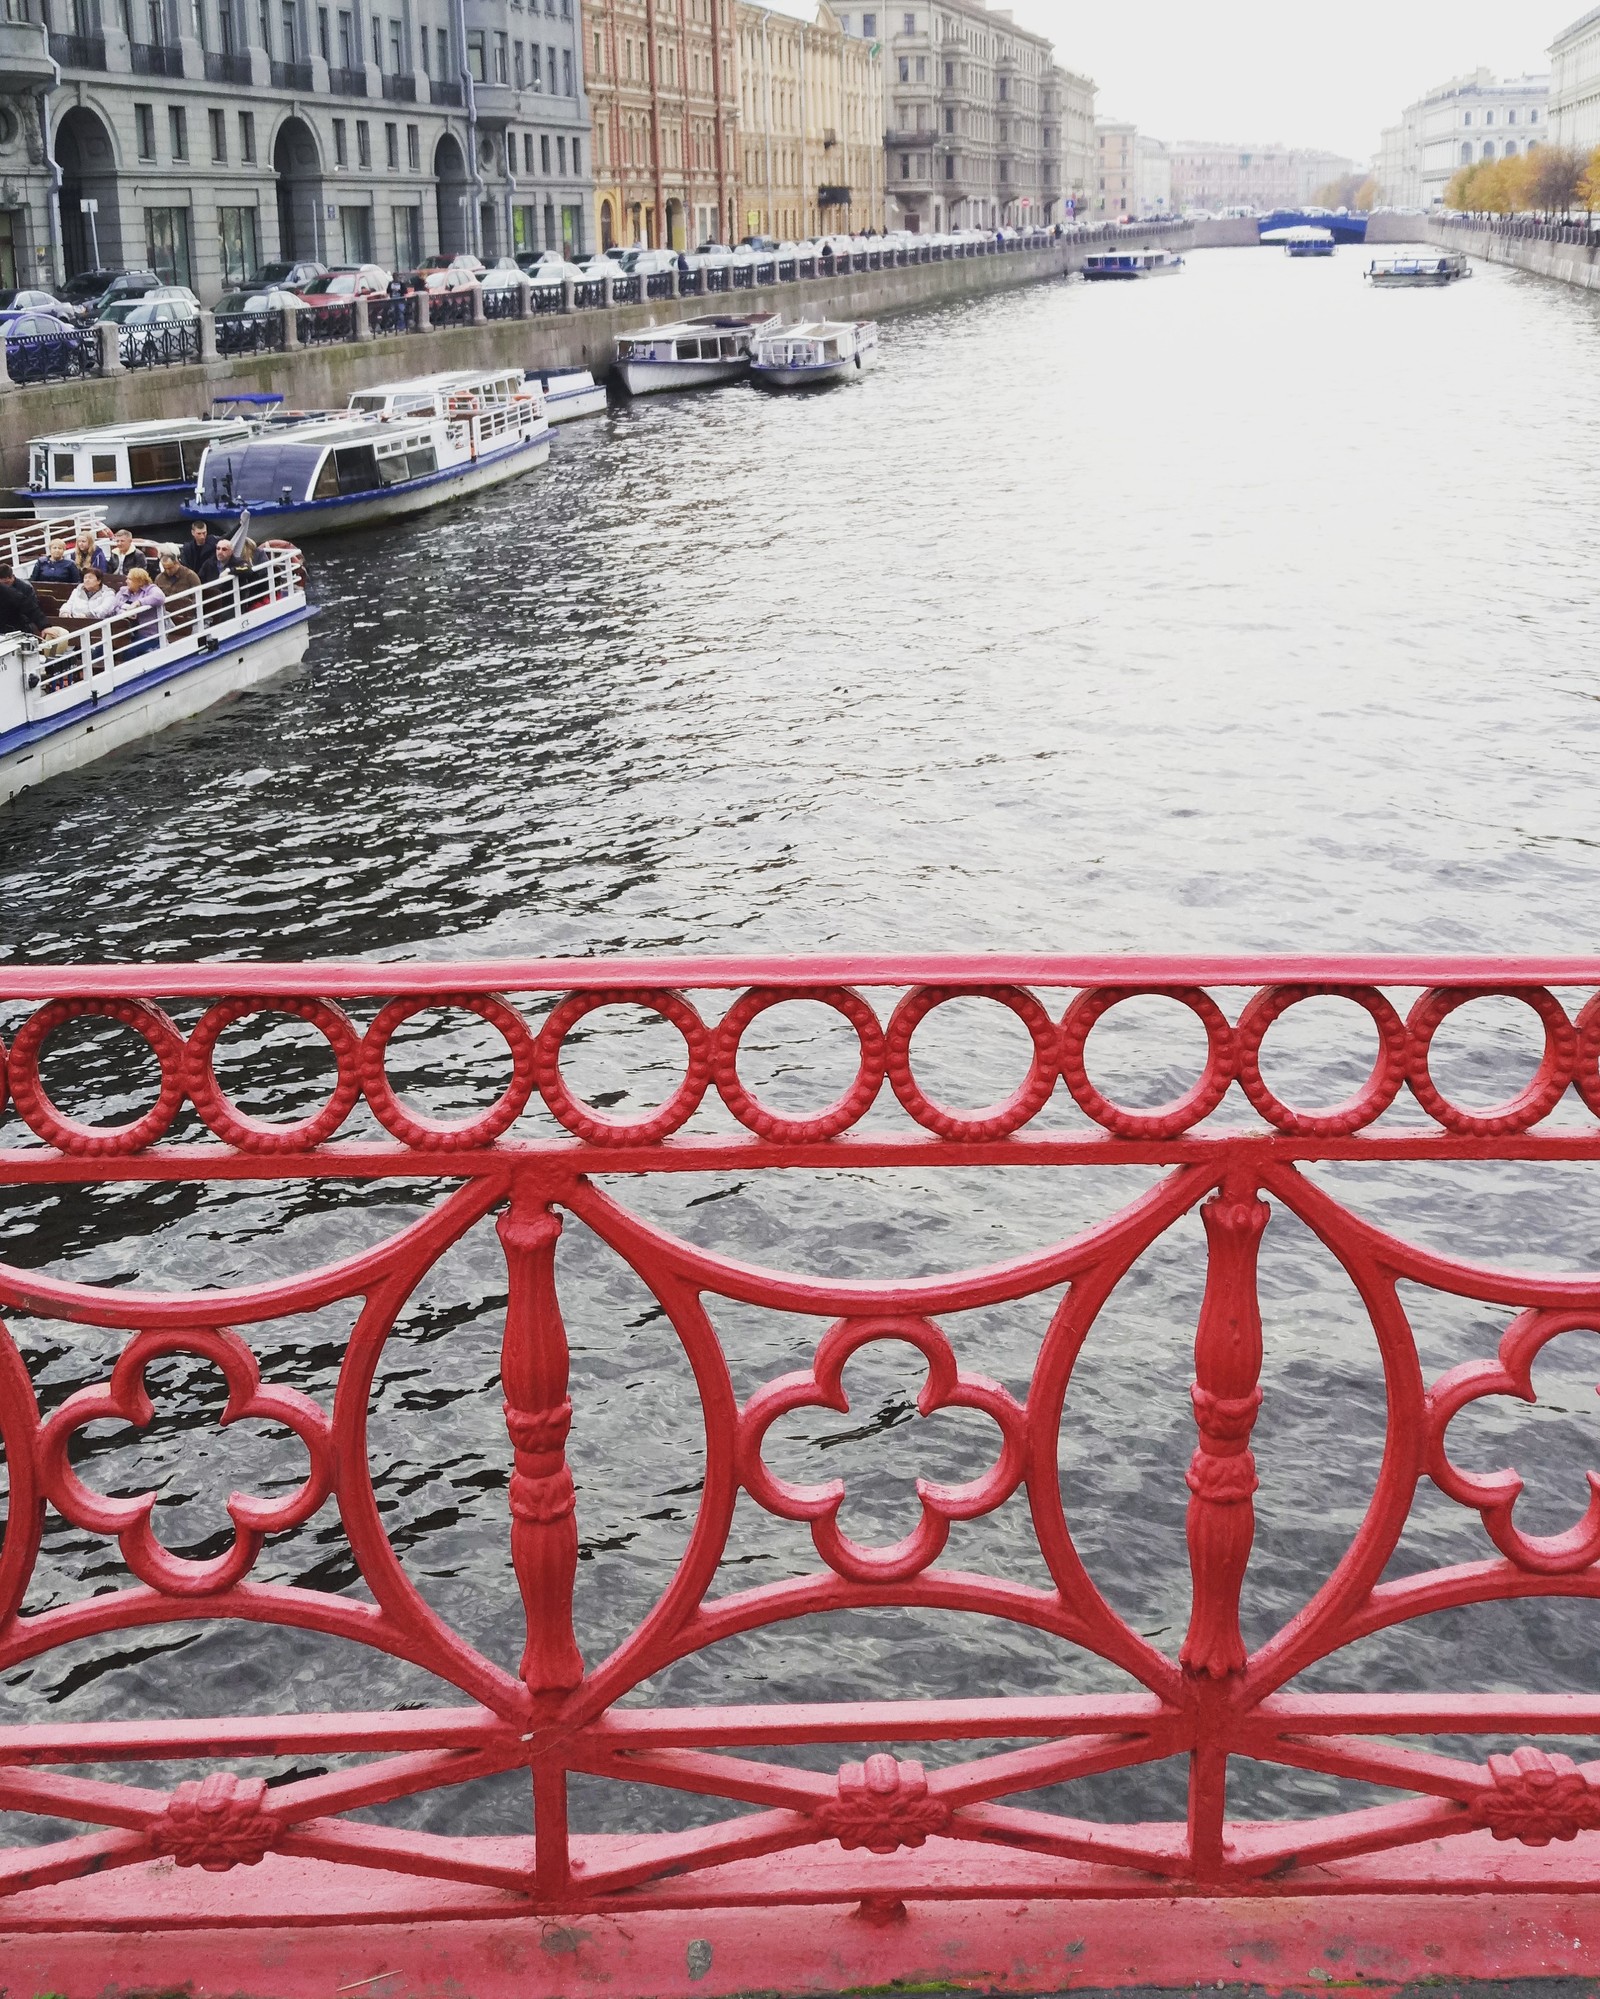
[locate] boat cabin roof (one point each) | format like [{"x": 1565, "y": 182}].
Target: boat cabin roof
[
  {"x": 153, "y": 430},
  {"x": 428, "y": 389}
]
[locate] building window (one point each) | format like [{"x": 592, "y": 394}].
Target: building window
[
  {"x": 527, "y": 153},
  {"x": 391, "y": 147},
  {"x": 399, "y": 54},
  {"x": 1466, "y": 153},
  {"x": 519, "y": 63},
  {"x": 144, "y": 119},
  {"x": 524, "y": 230},
  {"x": 363, "y": 143},
  {"x": 905, "y": 166},
  {"x": 218, "y": 122},
  {"x": 905, "y": 69},
  {"x": 922, "y": 69},
  {"x": 166, "y": 236},
  {"x": 477, "y": 67},
  {"x": 355, "y": 225},
  {"x": 413, "y": 149},
  {"x": 561, "y": 158},
  {"x": 1005, "y": 89},
  {"x": 247, "y": 136},
  {"x": 427, "y": 59},
  {"x": 544, "y": 152},
  {"x": 236, "y": 231},
  {"x": 341, "y": 152},
  {"x": 377, "y": 41},
  {"x": 502, "y": 58},
  {"x": 1533, "y": 117},
  {"x": 577, "y": 156},
  {"x": 407, "y": 238},
  {"x": 566, "y": 73},
  {"x": 950, "y": 166},
  {"x": 178, "y": 130},
  {"x": 535, "y": 79},
  {"x": 1466, "y": 117},
  {"x": 910, "y": 23},
  {"x": 869, "y": 25},
  {"x": 949, "y": 75},
  {"x": 1488, "y": 149},
  {"x": 324, "y": 44},
  {"x": 550, "y": 52},
  {"x": 1511, "y": 117},
  {"x": 949, "y": 119},
  {"x": 1488, "y": 117}
]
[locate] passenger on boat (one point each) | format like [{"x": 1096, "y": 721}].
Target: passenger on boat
[
  {"x": 122, "y": 553},
  {"x": 90, "y": 554},
  {"x": 57, "y": 566},
  {"x": 20, "y": 612},
  {"x": 199, "y": 553},
  {"x": 141, "y": 597},
  {"x": 173, "y": 580},
  {"x": 93, "y": 598}
]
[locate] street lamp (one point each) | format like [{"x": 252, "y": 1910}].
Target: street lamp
[{"x": 91, "y": 207}]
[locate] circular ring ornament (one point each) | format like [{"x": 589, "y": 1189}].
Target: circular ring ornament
[
  {"x": 1370, "y": 1102},
  {"x": 89, "y": 1141},
  {"x": 838, "y": 1116},
  {"x": 5, "y": 1083},
  {"x": 1000, "y": 1121},
  {"x": 425, "y": 1134},
  {"x": 223, "y": 1115},
  {"x": 1586, "y": 1074},
  {"x": 589, "y": 1124},
  {"x": 1555, "y": 1071},
  {"x": 1198, "y": 1102}
]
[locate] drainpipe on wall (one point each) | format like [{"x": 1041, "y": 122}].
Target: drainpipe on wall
[
  {"x": 474, "y": 239},
  {"x": 716, "y": 92},
  {"x": 58, "y": 262},
  {"x": 655, "y": 120},
  {"x": 766, "y": 67}
]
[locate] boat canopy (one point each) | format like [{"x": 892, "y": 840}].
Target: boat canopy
[{"x": 257, "y": 471}]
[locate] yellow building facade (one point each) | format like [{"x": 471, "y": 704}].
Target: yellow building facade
[{"x": 810, "y": 125}]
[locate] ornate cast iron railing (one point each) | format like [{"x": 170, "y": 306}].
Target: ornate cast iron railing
[{"x": 1227, "y": 1149}]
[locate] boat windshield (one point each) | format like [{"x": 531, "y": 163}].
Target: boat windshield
[{"x": 256, "y": 473}]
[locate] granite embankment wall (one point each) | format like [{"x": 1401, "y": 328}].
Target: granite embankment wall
[
  {"x": 325, "y": 377},
  {"x": 1550, "y": 250}
]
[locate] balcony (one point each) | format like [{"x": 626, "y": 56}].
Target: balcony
[
  {"x": 79, "y": 51},
  {"x": 155, "y": 59},
  {"x": 25, "y": 52},
  {"x": 444, "y": 93},
  {"x": 227, "y": 68},
  {"x": 348, "y": 82},
  {"x": 291, "y": 76},
  {"x": 400, "y": 89}
]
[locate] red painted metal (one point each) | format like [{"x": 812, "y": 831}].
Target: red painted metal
[{"x": 884, "y": 1833}]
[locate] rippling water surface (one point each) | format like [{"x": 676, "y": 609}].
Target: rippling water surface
[{"x": 1250, "y": 610}]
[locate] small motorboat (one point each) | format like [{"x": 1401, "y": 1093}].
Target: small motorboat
[
  {"x": 131, "y": 475},
  {"x": 1131, "y": 264},
  {"x": 813, "y": 352},
  {"x": 91, "y": 685},
  {"x": 1304, "y": 241},
  {"x": 1448, "y": 267},
  {"x": 396, "y": 450},
  {"x": 690, "y": 354},
  {"x": 569, "y": 393}
]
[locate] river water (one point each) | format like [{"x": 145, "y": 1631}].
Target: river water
[{"x": 1245, "y": 610}]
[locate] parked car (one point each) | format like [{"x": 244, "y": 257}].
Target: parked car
[
  {"x": 34, "y": 300},
  {"x": 273, "y": 298},
  {"x": 346, "y": 281},
  {"x": 40, "y": 344},
  {"x": 304, "y": 276},
  {"x": 163, "y": 293},
  {"x": 86, "y": 287},
  {"x": 531, "y": 260},
  {"x": 125, "y": 285},
  {"x": 152, "y": 331},
  {"x": 764, "y": 246}
]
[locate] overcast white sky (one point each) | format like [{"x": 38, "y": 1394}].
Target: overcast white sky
[{"x": 1283, "y": 69}]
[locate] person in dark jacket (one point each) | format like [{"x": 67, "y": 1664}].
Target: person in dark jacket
[
  {"x": 199, "y": 553},
  {"x": 19, "y": 607},
  {"x": 57, "y": 567}
]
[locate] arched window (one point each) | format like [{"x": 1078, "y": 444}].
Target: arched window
[
  {"x": 1488, "y": 149},
  {"x": 1466, "y": 153},
  {"x": 1511, "y": 149}
]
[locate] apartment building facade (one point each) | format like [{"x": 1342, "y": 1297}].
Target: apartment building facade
[
  {"x": 810, "y": 125},
  {"x": 1116, "y": 169},
  {"x": 1575, "y": 85},
  {"x": 203, "y": 138},
  {"x": 1211, "y": 176},
  {"x": 663, "y": 84},
  {"x": 1075, "y": 96}
]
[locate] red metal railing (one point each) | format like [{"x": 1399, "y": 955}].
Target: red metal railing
[{"x": 884, "y": 1828}]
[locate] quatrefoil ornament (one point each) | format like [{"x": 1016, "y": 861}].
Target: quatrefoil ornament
[
  {"x": 823, "y": 1388},
  {"x": 1495, "y": 1494},
  {"x": 125, "y": 1395}
]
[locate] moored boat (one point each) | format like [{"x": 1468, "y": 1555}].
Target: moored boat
[
  {"x": 690, "y": 354},
  {"x": 812, "y": 352},
  {"x": 1430, "y": 272},
  {"x": 1343, "y": 224},
  {"x": 398, "y": 449},
  {"x": 1131, "y": 264},
  {"x": 132, "y": 475},
  {"x": 569, "y": 393},
  {"x": 91, "y": 686},
  {"x": 1305, "y": 241}
]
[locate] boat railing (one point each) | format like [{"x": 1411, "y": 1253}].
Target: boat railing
[
  {"x": 93, "y": 660},
  {"x": 24, "y": 545}
]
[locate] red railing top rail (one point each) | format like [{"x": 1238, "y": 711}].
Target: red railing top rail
[{"x": 361, "y": 978}]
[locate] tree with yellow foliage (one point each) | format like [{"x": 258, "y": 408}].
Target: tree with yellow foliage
[
  {"x": 1589, "y": 186},
  {"x": 1496, "y": 187}
]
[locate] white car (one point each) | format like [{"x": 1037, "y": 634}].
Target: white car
[
  {"x": 155, "y": 330},
  {"x": 163, "y": 294}
]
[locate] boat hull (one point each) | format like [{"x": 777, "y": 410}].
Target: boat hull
[
  {"x": 784, "y": 377},
  {"x": 118, "y": 507},
  {"x": 1312, "y": 249},
  {"x": 313, "y": 517},
  {"x": 1415, "y": 280},
  {"x": 577, "y": 402},
  {"x": 141, "y": 708},
  {"x": 649, "y": 378}
]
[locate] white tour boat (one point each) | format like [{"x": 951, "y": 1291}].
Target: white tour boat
[
  {"x": 1132, "y": 264},
  {"x": 812, "y": 352},
  {"x": 1303, "y": 240},
  {"x": 94, "y": 686},
  {"x": 133, "y": 475},
  {"x": 689, "y": 354},
  {"x": 569, "y": 393},
  {"x": 1448, "y": 267},
  {"x": 397, "y": 450}
]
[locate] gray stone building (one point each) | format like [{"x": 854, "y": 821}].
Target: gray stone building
[
  {"x": 202, "y": 138},
  {"x": 972, "y": 115}
]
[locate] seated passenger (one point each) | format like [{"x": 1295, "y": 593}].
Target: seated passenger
[
  {"x": 199, "y": 553},
  {"x": 172, "y": 581},
  {"x": 122, "y": 553},
  {"x": 140, "y": 596},
  {"x": 56, "y": 567},
  {"x": 93, "y": 598},
  {"x": 19, "y": 607},
  {"x": 91, "y": 554}
]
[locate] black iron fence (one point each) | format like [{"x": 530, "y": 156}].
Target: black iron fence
[
  {"x": 450, "y": 308},
  {"x": 53, "y": 357},
  {"x": 324, "y": 325},
  {"x": 166, "y": 344},
  {"x": 249, "y": 332}
]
